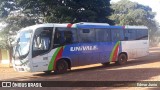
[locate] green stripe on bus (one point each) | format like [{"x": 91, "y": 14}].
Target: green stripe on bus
[
  {"x": 50, "y": 67},
  {"x": 112, "y": 53}
]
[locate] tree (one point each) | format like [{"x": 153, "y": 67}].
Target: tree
[
  {"x": 21, "y": 13},
  {"x": 11, "y": 14},
  {"x": 73, "y": 11},
  {"x": 6, "y": 6},
  {"x": 132, "y": 13}
]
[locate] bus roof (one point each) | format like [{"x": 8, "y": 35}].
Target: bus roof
[
  {"x": 135, "y": 27},
  {"x": 46, "y": 25},
  {"x": 84, "y": 25},
  {"x": 52, "y": 25},
  {"x": 76, "y": 25}
]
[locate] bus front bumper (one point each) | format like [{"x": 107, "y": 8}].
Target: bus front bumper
[{"x": 19, "y": 67}]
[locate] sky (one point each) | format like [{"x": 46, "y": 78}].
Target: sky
[{"x": 154, "y": 4}]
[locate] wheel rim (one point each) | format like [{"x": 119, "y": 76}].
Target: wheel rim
[
  {"x": 122, "y": 59},
  {"x": 62, "y": 67}
]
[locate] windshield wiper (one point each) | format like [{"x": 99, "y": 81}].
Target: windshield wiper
[{"x": 16, "y": 48}]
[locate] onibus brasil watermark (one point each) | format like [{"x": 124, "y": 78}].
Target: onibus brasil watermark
[{"x": 21, "y": 84}]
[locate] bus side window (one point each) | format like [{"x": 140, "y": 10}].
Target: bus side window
[
  {"x": 136, "y": 34},
  {"x": 117, "y": 34},
  {"x": 68, "y": 37},
  {"x": 125, "y": 35},
  {"x": 132, "y": 34},
  {"x": 74, "y": 35},
  {"x": 142, "y": 34},
  {"x": 100, "y": 35},
  {"x": 103, "y": 35},
  {"x": 58, "y": 38},
  {"x": 64, "y": 36},
  {"x": 87, "y": 35},
  {"x": 107, "y": 36}
]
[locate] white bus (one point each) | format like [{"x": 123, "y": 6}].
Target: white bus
[{"x": 58, "y": 47}]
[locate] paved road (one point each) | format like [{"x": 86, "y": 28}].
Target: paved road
[{"x": 142, "y": 69}]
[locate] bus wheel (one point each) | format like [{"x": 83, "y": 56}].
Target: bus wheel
[
  {"x": 105, "y": 64},
  {"x": 122, "y": 59},
  {"x": 61, "y": 67}
]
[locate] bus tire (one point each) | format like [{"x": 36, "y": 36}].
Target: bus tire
[
  {"x": 61, "y": 67},
  {"x": 122, "y": 59},
  {"x": 106, "y": 63}
]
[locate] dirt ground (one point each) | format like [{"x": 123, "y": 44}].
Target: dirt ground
[{"x": 141, "y": 69}]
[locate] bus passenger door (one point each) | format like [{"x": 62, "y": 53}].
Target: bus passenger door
[{"x": 40, "y": 48}]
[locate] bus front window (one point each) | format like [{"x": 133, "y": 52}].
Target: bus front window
[{"x": 21, "y": 49}]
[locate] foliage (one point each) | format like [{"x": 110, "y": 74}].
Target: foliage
[
  {"x": 21, "y": 13},
  {"x": 10, "y": 14},
  {"x": 132, "y": 13},
  {"x": 6, "y": 6},
  {"x": 60, "y": 11}
]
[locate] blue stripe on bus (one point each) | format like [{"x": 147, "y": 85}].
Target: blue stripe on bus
[{"x": 89, "y": 53}]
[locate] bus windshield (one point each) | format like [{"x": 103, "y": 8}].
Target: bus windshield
[{"x": 21, "y": 49}]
